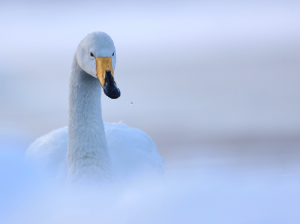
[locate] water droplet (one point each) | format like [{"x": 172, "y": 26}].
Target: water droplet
[{"x": 131, "y": 103}]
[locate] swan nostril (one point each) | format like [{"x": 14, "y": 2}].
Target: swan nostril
[
  {"x": 92, "y": 54},
  {"x": 113, "y": 54}
]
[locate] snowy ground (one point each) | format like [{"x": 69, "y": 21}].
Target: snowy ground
[{"x": 211, "y": 183}]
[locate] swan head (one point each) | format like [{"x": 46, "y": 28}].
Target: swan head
[{"x": 96, "y": 55}]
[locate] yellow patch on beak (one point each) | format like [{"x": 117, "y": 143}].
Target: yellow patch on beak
[{"x": 103, "y": 65}]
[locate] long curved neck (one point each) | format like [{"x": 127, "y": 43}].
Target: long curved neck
[{"x": 88, "y": 157}]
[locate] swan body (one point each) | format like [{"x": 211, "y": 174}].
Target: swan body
[
  {"x": 89, "y": 150},
  {"x": 132, "y": 153}
]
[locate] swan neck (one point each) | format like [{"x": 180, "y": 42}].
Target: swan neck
[{"x": 87, "y": 155}]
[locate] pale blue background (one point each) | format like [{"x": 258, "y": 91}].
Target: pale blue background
[{"x": 216, "y": 84}]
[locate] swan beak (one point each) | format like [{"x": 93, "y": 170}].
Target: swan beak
[{"x": 105, "y": 74}]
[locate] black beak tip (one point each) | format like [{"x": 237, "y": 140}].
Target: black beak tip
[
  {"x": 110, "y": 87},
  {"x": 114, "y": 93}
]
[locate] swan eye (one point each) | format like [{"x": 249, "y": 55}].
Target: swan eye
[
  {"x": 113, "y": 54},
  {"x": 92, "y": 55}
]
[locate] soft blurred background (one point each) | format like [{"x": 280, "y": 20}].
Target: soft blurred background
[{"x": 214, "y": 83}]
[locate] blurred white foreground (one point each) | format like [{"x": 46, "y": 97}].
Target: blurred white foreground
[{"x": 208, "y": 188}]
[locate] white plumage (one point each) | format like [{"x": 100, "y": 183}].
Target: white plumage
[{"x": 89, "y": 150}]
